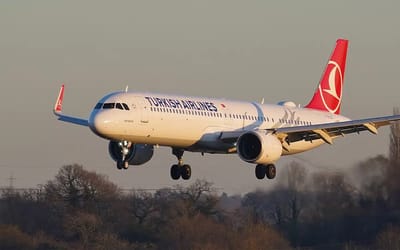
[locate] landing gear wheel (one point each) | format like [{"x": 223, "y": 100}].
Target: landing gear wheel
[
  {"x": 186, "y": 172},
  {"x": 125, "y": 165},
  {"x": 260, "y": 171},
  {"x": 271, "y": 171},
  {"x": 175, "y": 172},
  {"x": 180, "y": 170},
  {"x": 121, "y": 164}
]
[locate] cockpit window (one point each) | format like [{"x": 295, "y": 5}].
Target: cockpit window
[
  {"x": 108, "y": 105},
  {"x": 125, "y": 106},
  {"x": 98, "y": 105},
  {"x": 112, "y": 105},
  {"x": 119, "y": 106}
]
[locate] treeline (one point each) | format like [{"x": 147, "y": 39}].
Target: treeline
[{"x": 83, "y": 210}]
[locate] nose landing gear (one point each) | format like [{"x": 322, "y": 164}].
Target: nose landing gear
[
  {"x": 125, "y": 148},
  {"x": 180, "y": 169}
]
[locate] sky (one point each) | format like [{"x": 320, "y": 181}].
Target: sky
[{"x": 245, "y": 50}]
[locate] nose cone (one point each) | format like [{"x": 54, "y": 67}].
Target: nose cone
[{"x": 99, "y": 123}]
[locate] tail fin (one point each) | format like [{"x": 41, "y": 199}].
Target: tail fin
[{"x": 328, "y": 95}]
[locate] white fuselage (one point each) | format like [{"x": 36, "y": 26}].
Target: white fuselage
[{"x": 194, "y": 123}]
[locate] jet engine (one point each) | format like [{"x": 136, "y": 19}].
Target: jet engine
[
  {"x": 135, "y": 154},
  {"x": 260, "y": 148}
]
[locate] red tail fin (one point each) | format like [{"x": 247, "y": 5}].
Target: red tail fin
[{"x": 328, "y": 95}]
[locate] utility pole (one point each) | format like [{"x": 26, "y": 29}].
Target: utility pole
[{"x": 11, "y": 180}]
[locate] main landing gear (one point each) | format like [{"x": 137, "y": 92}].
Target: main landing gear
[
  {"x": 180, "y": 169},
  {"x": 265, "y": 170},
  {"x": 125, "y": 147}
]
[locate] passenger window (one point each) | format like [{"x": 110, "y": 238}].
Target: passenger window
[
  {"x": 119, "y": 106},
  {"x": 125, "y": 106},
  {"x": 108, "y": 105}
]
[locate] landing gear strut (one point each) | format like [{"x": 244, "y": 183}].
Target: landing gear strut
[
  {"x": 125, "y": 147},
  {"x": 265, "y": 170},
  {"x": 180, "y": 169}
]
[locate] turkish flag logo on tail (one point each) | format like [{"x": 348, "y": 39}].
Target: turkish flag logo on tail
[{"x": 328, "y": 95}]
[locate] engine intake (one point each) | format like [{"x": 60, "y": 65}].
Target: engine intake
[
  {"x": 137, "y": 153},
  {"x": 260, "y": 148}
]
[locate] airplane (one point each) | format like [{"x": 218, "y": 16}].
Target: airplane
[{"x": 136, "y": 122}]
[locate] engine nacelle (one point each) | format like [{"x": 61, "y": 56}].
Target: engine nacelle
[
  {"x": 260, "y": 148},
  {"x": 137, "y": 153}
]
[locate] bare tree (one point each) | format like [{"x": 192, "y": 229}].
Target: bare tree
[
  {"x": 82, "y": 226},
  {"x": 394, "y": 148},
  {"x": 202, "y": 232},
  {"x": 200, "y": 197},
  {"x": 11, "y": 237},
  {"x": 370, "y": 178},
  {"x": 142, "y": 205},
  {"x": 389, "y": 238},
  {"x": 393, "y": 171},
  {"x": 78, "y": 187}
]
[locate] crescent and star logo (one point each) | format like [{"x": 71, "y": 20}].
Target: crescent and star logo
[{"x": 331, "y": 88}]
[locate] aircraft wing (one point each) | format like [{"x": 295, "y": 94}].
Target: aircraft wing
[
  {"x": 324, "y": 131},
  {"x": 65, "y": 118}
]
